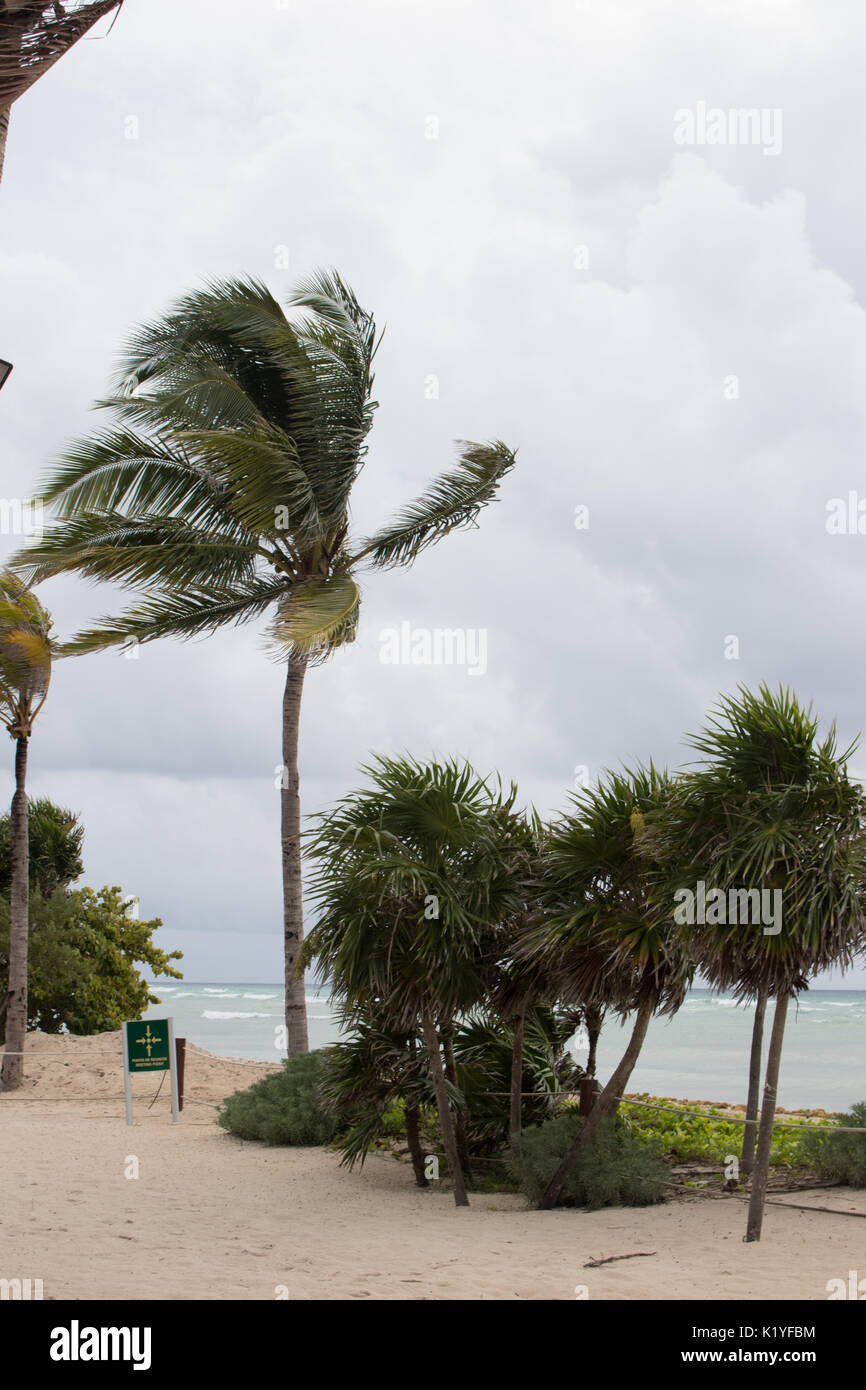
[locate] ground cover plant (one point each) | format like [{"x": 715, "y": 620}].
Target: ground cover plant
[{"x": 286, "y": 1108}]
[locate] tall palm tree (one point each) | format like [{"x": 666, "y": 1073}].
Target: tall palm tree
[
  {"x": 33, "y": 35},
  {"x": 412, "y": 879},
  {"x": 224, "y": 493},
  {"x": 771, "y": 809},
  {"x": 598, "y": 934},
  {"x": 26, "y": 652}
]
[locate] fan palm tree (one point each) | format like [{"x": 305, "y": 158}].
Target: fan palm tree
[
  {"x": 412, "y": 880},
  {"x": 33, "y": 35},
  {"x": 598, "y": 935},
  {"x": 366, "y": 1072},
  {"x": 26, "y": 652},
  {"x": 224, "y": 495},
  {"x": 771, "y": 809}
]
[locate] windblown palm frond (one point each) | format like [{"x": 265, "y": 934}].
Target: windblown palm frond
[
  {"x": 597, "y": 933},
  {"x": 317, "y": 615},
  {"x": 453, "y": 500},
  {"x": 195, "y": 614}
]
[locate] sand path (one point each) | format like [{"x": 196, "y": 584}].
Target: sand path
[{"x": 212, "y": 1217}]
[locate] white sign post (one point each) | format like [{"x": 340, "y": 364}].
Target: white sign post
[{"x": 150, "y": 1047}]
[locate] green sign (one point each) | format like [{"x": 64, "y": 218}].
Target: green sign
[{"x": 148, "y": 1046}]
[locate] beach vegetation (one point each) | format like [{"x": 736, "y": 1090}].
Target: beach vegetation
[
  {"x": 596, "y": 934},
  {"x": 284, "y": 1108},
  {"x": 837, "y": 1156},
  {"x": 85, "y": 951},
  {"x": 417, "y": 879},
  {"x": 708, "y": 1136},
  {"x": 55, "y": 838},
  {"x": 378, "y": 1087},
  {"x": 379, "y": 1084},
  {"x": 614, "y": 1168},
  {"x": 770, "y": 807}
]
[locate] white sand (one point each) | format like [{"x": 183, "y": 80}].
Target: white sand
[{"x": 212, "y": 1217}]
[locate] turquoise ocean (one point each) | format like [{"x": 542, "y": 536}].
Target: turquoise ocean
[{"x": 700, "y": 1054}]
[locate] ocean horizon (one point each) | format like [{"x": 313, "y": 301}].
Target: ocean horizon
[{"x": 702, "y": 1053}]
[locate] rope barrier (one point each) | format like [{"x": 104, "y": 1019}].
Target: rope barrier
[
  {"x": 36, "y": 1055},
  {"x": 740, "y": 1120},
  {"x": 717, "y": 1196},
  {"x": 695, "y": 1114},
  {"x": 53, "y": 1100},
  {"x": 242, "y": 1062},
  {"x": 535, "y": 1095}
]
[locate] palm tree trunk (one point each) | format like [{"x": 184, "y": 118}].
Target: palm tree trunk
[
  {"x": 297, "y": 1039},
  {"x": 605, "y": 1106},
  {"x": 12, "y": 1072},
  {"x": 413, "y": 1139},
  {"x": 437, "y": 1071},
  {"x": 459, "y": 1114},
  {"x": 515, "y": 1123},
  {"x": 768, "y": 1112},
  {"x": 13, "y": 49},
  {"x": 592, "y": 1018},
  {"x": 4, "y": 131},
  {"x": 750, "y": 1132}
]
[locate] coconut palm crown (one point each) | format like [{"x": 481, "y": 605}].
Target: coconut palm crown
[
  {"x": 26, "y": 651},
  {"x": 224, "y": 492}
]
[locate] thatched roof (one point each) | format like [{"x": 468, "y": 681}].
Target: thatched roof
[{"x": 33, "y": 35}]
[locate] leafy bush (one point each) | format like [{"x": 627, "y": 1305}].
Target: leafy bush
[
  {"x": 85, "y": 950},
  {"x": 616, "y": 1170},
  {"x": 706, "y": 1137},
  {"x": 839, "y": 1157},
  {"x": 285, "y": 1108}
]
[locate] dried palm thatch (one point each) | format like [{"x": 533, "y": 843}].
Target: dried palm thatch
[{"x": 33, "y": 35}]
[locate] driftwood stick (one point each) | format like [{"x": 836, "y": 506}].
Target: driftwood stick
[{"x": 636, "y": 1255}]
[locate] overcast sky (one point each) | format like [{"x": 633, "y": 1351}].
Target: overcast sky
[{"x": 670, "y": 331}]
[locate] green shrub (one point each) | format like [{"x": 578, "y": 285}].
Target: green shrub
[
  {"x": 707, "y": 1136},
  {"x": 616, "y": 1170},
  {"x": 839, "y": 1157},
  {"x": 285, "y": 1108}
]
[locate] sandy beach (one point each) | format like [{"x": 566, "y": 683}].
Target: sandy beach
[{"x": 210, "y": 1216}]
